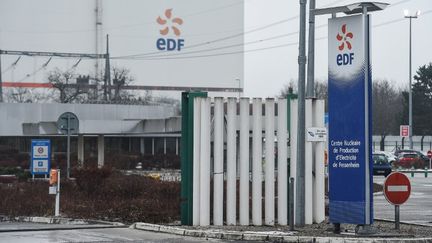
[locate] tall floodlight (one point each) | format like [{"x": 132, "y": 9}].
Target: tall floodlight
[{"x": 410, "y": 16}]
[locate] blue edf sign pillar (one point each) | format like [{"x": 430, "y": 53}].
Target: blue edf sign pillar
[{"x": 350, "y": 153}]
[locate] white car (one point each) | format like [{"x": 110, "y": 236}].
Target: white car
[{"x": 390, "y": 156}]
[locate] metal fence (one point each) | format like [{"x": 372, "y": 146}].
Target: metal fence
[{"x": 392, "y": 143}]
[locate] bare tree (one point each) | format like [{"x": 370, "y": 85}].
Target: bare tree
[
  {"x": 121, "y": 77},
  {"x": 65, "y": 84},
  {"x": 289, "y": 88},
  {"x": 25, "y": 95},
  {"x": 18, "y": 95},
  {"x": 387, "y": 105},
  {"x": 321, "y": 90}
]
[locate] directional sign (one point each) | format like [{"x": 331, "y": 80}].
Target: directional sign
[
  {"x": 404, "y": 131},
  {"x": 316, "y": 134},
  {"x": 397, "y": 188},
  {"x": 68, "y": 123},
  {"x": 40, "y": 156}
]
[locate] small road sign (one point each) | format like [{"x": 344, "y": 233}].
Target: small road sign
[
  {"x": 404, "y": 131},
  {"x": 316, "y": 134},
  {"x": 68, "y": 123},
  {"x": 397, "y": 188},
  {"x": 40, "y": 156}
]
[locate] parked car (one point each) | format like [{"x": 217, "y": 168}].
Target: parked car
[
  {"x": 409, "y": 160},
  {"x": 381, "y": 165},
  {"x": 389, "y": 155},
  {"x": 408, "y": 151}
]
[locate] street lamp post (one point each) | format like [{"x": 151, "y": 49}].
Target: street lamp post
[{"x": 410, "y": 17}]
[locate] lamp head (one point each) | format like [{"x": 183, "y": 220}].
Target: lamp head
[{"x": 408, "y": 14}]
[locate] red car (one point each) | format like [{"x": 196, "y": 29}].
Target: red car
[{"x": 409, "y": 160}]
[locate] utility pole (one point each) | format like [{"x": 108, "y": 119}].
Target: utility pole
[
  {"x": 107, "y": 86},
  {"x": 98, "y": 43},
  {"x": 410, "y": 16},
  {"x": 310, "y": 88},
  {"x": 300, "y": 197}
]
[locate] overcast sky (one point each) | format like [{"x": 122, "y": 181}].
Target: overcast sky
[{"x": 43, "y": 25}]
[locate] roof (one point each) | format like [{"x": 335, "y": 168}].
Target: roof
[{"x": 24, "y": 119}]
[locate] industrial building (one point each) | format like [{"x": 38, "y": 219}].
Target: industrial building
[{"x": 104, "y": 130}]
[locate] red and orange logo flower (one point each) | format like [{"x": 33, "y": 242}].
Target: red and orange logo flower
[
  {"x": 169, "y": 23},
  {"x": 344, "y": 38}
]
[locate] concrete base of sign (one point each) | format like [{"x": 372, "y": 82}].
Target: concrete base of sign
[{"x": 365, "y": 230}]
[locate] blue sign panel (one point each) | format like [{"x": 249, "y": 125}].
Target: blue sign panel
[
  {"x": 350, "y": 159},
  {"x": 40, "y": 156}
]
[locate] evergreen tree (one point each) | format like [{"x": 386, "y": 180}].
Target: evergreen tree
[{"x": 422, "y": 101}]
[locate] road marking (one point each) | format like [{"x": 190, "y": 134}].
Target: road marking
[{"x": 397, "y": 188}]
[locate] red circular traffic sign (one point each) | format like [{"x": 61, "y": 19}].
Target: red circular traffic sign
[
  {"x": 40, "y": 150},
  {"x": 397, "y": 188},
  {"x": 429, "y": 154}
]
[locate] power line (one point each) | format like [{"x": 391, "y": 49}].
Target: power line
[
  {"x": 36, "y": 71},
  {"x": 124, "y": 26},
  {"x": 179, "y": 55},
  {"x": 217, "y": 48},
  {"x": 12, "y": 66},
  {"x": 240, "y": 34}
]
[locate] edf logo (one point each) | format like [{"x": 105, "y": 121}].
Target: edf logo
[
  {"x": 169, "y": 24},
  {"x": 344, "y": 39}
]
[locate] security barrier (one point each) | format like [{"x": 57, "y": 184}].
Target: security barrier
[{"x": 247, "y": 141}]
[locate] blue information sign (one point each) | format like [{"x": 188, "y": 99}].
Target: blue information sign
[
  {"x": 350, "y": 159},
  {"x": 40, "y": 156}
]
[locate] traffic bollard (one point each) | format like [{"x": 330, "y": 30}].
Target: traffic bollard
[{"x": 412, "y": 171}]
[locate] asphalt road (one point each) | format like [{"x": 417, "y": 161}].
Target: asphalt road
[
  {"x": 91, "y": 235},
  {"x": 418, "y": 208}
]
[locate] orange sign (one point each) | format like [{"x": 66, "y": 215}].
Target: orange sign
[{"x": 53, "y": 177}]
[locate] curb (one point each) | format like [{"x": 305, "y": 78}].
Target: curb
[
  {"x": 59, "y": 220},
  {"x": 61, "y": 228},
  {"x": 404, "y": 222},
  {"x": 72, "y": 223},
  {"x": 265, "y": 236}
]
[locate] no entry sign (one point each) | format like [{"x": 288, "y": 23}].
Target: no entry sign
[{"x": 397, "y": 188}]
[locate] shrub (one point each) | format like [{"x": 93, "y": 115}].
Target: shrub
[{"x": 103, "y": 194}]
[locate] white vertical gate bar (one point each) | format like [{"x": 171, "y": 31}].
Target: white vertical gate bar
[
  {"x": 205, "y": 163},
  {"x": 308, "y": 165},
  {"x": 269, "y": 162},
  {"x": 293, "y": 147},
  {"x": 244, "y": 161},
  {"x": 231, "y": 162},
  {"x": 218, "y": 177},
  {"x": 257, "y": 162},
  {"x": 196, "y": 161},
  {"x": 282, "y": 180},
  {"x": 319, "y": 182}
]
